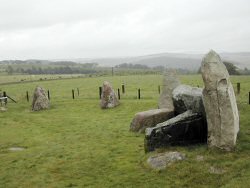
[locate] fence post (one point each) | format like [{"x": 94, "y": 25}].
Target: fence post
[
  {"x": 48, "y": 95},
  {"x": 27, "y": 96},
  {"x": 159, "y": 89},
  {"x": 100, "y": 92},
  {"x": 119, "y": 96},
  {"x": 112, "y": 71},
  {"x": 139, "y": 93},
  {"x": 249, "y": 98},
  {"x": 238, "y": 88},
  {"x": 5, "y": 95},
  {"x": 78, "y": 92},
  {"x": 123, "y": 88},
  {"x": 73, "y": 94}
]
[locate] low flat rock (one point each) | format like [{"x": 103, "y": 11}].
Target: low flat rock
[
  {"x": 150, "y": 118},
  {"x": 161, "y": 161}
]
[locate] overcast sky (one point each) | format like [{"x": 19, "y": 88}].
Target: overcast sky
[{"x": 55, "y": 29}]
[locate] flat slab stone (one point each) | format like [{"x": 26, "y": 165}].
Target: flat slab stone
[
  {"x": 150, "y": 118},
  {"x": 161, "y": 161},
  {"x": 186, "y": 128}
]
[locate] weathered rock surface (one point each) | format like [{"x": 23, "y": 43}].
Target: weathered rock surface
[
  {"x": 161, "y": 161},
  {"x": 150, "y": 118},
  {"x": 108, "y": 98},
  {"x": 220, "y": 103},
  {"x": 40, "y": 100},
  {"x": 186, "y": 128},
  {"x": 170, "y": 82},
  {"x": 186, "y": 98}
]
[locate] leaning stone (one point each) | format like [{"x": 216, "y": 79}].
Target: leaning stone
[
  {"x": 150, "y": 118},
  {"x": 186, "y": 128},
  {"x": 161, "y": 161},
  {"x": 188, "y": 98},
  {"x": 40, "y": 100},
  {"x": 108, "y": 97},
  {"x": 220, "y": 103},
  {"x": 170, "y": 82}
]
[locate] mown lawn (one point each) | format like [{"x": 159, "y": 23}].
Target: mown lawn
[{"x": 76, "y": 144}]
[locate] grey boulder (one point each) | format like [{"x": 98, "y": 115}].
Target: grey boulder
[{"x": 186, "y": 98}]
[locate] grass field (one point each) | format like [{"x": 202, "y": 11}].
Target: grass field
[{"x": 76, "y": 144}]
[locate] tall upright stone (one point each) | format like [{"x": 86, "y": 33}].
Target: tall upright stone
[
  {"x": 170, "y": 82},
  {"x": 220, "y": 103},
  {"x": 108, "y": 97},
  {"x": 40, "y": 100}
]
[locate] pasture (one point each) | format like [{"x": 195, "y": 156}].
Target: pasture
[{"x": 77, "y": 144}]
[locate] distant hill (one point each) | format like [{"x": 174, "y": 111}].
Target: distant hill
[{"x": 170, "y": 60}]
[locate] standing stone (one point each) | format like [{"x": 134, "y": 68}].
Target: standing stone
[
  {"x": 220, "y": 103},
  {"x": 40, "y": 100},
  {"x": 108, "y": 97},
  {"x": 170, "y": 82}
]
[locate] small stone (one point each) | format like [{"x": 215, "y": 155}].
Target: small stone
[
  {"x": 16, "y": 149},
  {"x": 199, "y": 158},
  {"x": 108, "y": 97},
  {"x": 3, "y": 109},
  {"x": 215, "y": 170},
  {"x": 161, "y": 161}
]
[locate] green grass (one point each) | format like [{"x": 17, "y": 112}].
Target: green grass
[{"x": 76, "y": 144}]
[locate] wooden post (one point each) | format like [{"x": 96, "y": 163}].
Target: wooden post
[
  {"x": 78, "y": 92},
  {"x": 249, "y": 97},
  {"x": 112, "y": 71},
  {"x": 238, "y": 88},
  {"x": 159, "y": 89},
  {"x": 100, "y": 92},
  {"x": 73, "y": 94},
  {"x": 48, "y": 95},
  {"x": 5, "y": 95},
  {"x": 119, "y": 96},
  {"x": 27, "y": 96},
  {"x": 139, "y": 93},
  {"x": 123, "y": 88}
]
